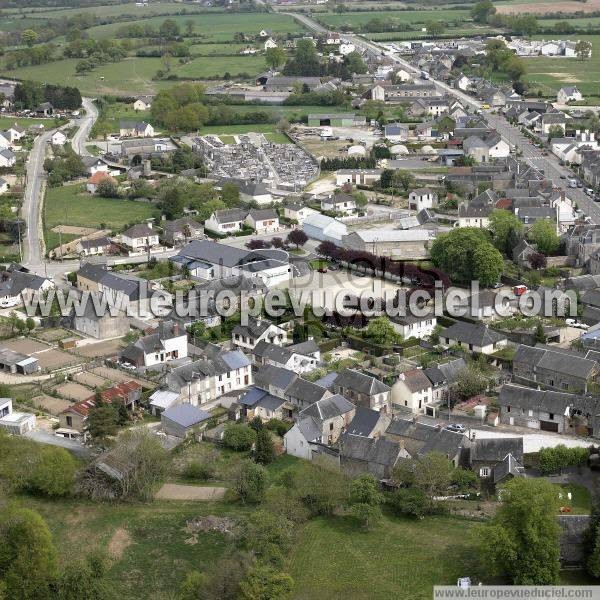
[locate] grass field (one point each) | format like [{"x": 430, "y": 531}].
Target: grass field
[
  {"x": 228, "y": 131},
  {"x": 214, "y": 27},
  {"x": 68, "y": 205},
  {"x": 415, "y": 35},
  {"x": 218, "y": 49},
  {"x": 403, "y": 558},
  {"x": 552, "y": 73},
  {"x": 405, "y": 16},
  {"x": 219, "y": 65},
  {"x": 6, "y": 122}
]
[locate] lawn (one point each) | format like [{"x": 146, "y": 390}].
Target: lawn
[
  {"x": 552, "y": 73},
  {"x": 581, "y": 501},
  {"x": 200, "y": 68},
  {"x": 217, "y": 49},
  {"x": 404, "y": 16},
  {"x": 6, "y": 122},
  {"x": 68, "y": 205},
  {"x": 269, "y": 129},
  {"x": 403, "y": 558},
  {"x": 117, "y": 111}
]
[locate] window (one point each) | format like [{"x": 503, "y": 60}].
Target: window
[
  {"x": 69, "y": 421},
  {"x": 564, "y": 385},
  {"x": 508, "y": 409},
  {"x": 551, "y": 416},
  {"x": 484, "y": 472},
  {"x": 530, "y": 413}
]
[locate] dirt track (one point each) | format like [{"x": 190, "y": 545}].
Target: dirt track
[{"x": 173, "y": 491}]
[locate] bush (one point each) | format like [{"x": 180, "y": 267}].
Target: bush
[
  {"x": 251, "y": 482},
  {"x": 554, "y": 460},
  {"x": 278, "y": 426},
  {"x": 54, "y": 473},
  {"x": 198, "y": 470},
  {"x": 239, "y": 437},
  {"x": 409, "y": 501}
]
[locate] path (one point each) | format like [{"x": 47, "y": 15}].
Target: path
[{"x": 174, "y": 491}]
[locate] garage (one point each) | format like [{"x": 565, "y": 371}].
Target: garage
[
  {"x": 549, "y": 426},
  {"x": 533, "y": 424}
]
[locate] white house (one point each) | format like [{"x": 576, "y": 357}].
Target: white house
[
  {"x": 135, "y": 129},
  {"x": 15, "y": 133},
  {"x": 421, "y": 198},
  {"x": 167, "y": 343},
  {"x": 412, "y": 391},
  {"x": 300, "y": 358},
  {"x": 58, "y": 138},
  {"x": 568, "y": 94},
  {"x": 142, "y": 103},
  {"x": 255, "y": 192},
  {"x": 140, "y": 236},
  {"x": 333, "y": 38},
  {"x": 5, "y": 140},
  {"x": 265, "y": 220},
  {"x": 255, "y": 331},
  {"x": 339, "y": 203},
  {"x": 474, "y": 338},
  {"x": 463, "y": 82},
  {"x": 226, "y": 221},
  {"x": 402, "y": 75},
  {"x": 413, "y": 326},
  {"x": 7, "y": 158},
  {"x": 270, "y": 43},
  {"x": 297, "y": 441},
  {"x": 92, "y": 183},
  {"x": 298, "y": 212}
]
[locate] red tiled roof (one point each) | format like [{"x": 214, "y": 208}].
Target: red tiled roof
[{"x": 98, "y": 176}]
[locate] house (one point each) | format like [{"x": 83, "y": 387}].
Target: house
[
  {"x": 413, "y": 391},
  {"x": 263, "y": 220},
  {"x": 257, "y": 330},
  {"x": 135, "y": 129},
  {"x": 333, "y": 38},
  {"x": 474, "y": 216},
  {"x": 297, "y": 212},
  {"x": 257, "y": 402},
  {"x": 486, "y": 147},
  {"x": 209, "y": 378},
  {"x": 555, "y": 367},
  {"x": 419, "y": 439},
  {"x": 58, "y": 138},
  {"x": 360, "y": 455},
  {"x": 522, "y": 253},
  {"x": 15, "y": 133},
  {"x": 276, "y": 380},
  {"x": 443, "y": 376},
  {"x": 320, "y": 423},
  {"x": 552, "y": 120},
  {"x": 363, "y": 390},
  {"x": 45, "y": 109},
  {"x": 183, "y": 419},
  {"x": 463, "y": 82},
  {"x": 339, "y": 203},
  {"x": 421, "y": 198},
  {"x": 100, "y": 326},
  {"x": 568, "y": 94},
  {"x": 208, "y": 260},
  {"x": 94, "y": 247},
  {"x": 357, "y": 176},
  {"x": 18, "y": 423},
  {"x": 548, "y": 410},
  {"x": 300, "y": 358},
  {"x": 269, "y": 43},
  {"x": 7, "y": 158},
  {"x": 142, "y": 103},
  {"x": 396, "y": 132},
  {"x": 474, "y": 338},
  {"x": 484, "y": 304},
  {"x": 182, "y": 231},
  {"x": 93, "y": 164},
  {"x": 226, "y": 221},
  {"x": 255, "y": 192},
  {"x": 412, "y": 326},
  {"x": 18, "y": 286},
  {"x": 496, "y": 460},
  {"x": 494, "y": 97},
  {"x": 399, "y": 244},
  {"x": 93, "y": 182},
  {"x": 4, "y": 187},
  {"x": 165, "y": 344},
  {"x": 140, "y": 237},
  {"x": 346, "y": 48},
  {"x": 323, "y": 228},
  {"x": 263, "y": 33}
]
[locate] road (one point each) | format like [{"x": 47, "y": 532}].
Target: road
[
  {"x": 531, "y": 154},
  {"x": 32, "y": 198}
]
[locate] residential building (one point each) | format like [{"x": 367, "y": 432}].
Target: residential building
[
  {"x": 226, "y": 221},
  {"x": 92, "y": 183},
  {"x": 412, "y": 326},
  {"x": 363, "y": 390},
  {"x": 367, "y": 455},
  {"x": 167, "y": 343},
  {"x": 399, "y": 244},
  {"x": 182, "y": 231},
  {"x": 300, "y": 358},
  {"x": 140, "y": 237},
  {"x": 100, "y": 326},
  {"x": 94, "y": 246},
  {"x": 142, "y": 103},
  {"x": 263, "y": 220},
  {"x": 474, "y": 338},
  {"x": 135, "y": 129},
  {"x": 413, "y": 391},
  {"x": 339, "y": 203},
  {"x": 298, "y": 212},
  {"x": 256, "y": 330},
  {"x": 496, "y": 460},
  {"x": 7, "y": 158},
  {"x": 421, "y": 198},
  {"x": 568, "y": 94},
  {"x": 58, "y": 138}
]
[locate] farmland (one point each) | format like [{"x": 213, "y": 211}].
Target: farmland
[
  {"x": 357, "y": 19},
  {"x": 551, "y": 73},
  {"x": 544, "y": 6}
]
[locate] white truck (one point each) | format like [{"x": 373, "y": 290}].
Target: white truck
[{"x": 573, "y": 183}]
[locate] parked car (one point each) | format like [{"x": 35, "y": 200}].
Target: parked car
[{"x": 456, "y": 427}]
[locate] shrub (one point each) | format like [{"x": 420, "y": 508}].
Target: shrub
[
  {"x": 409, "y": 501},
  {"x": 278, "y": 426},
  {"x": 198, "y": 470},
  {"x": 54, "y": 473},
  {"x": 251, "y": 482},
  {"x": 239, "y": 437}
]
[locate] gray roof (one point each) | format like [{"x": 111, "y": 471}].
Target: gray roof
[
  {"x": 275, "y": 376},
  {"x": 555, "y": 359},
  {"x": 467, "y": 333},
  {"x": 254, "y": 329},
  {"x": 263, "y": 214},
  {"x": 359, "y": 382},
  {"x": 329, "y": 408},
  {"x": 364, "y": 421},
  {"x": 495, "y": 449},
  {"x": 305, "y": 391},
  {"x": 129, "y": 286},
  {"x": 230, "y": 215},
  {"x": 380, "y": 450},
  {"x": 508, "y": 466},
  {"x": 139, "y": 230},
  {"x": 186, "y": 414},
  {"x": 310, "y": 428},
  {"x": 421, "y": 438}
]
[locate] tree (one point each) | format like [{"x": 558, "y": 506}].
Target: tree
[
  {"x": 265, "y": 583},
  {"x": 28, "y": 558},
  {"x": 464, "y": 480},
  {"x": 193, "y": 586},
  {"x": 431, "y": 473},
  {"x": 85, "y": 579},
  {"x": 537, "y": 261},
  {"x": 410, "y": 501},
  {"x": 275, "y": 57},
  {"x": 230, "y": 194},
  {"x": 381, "y": 332},
  {"x": 102, "y": 422},
  {"x": 306, "y": 60},
  {"x": 593, "y": 561},
  {"x": 54, "y": 473},
  {"x": 239, "y": 437},
  {"x": 189, "y": 27},
  {"x": 297, "y": 237},
  {"x": 321, "y": 489},
  {"x": 355, "y": 63},
  {"x": 29, "y": 324},
  {"x": 403, "y": 179},
  {"x": 251, "y": 482},
  {"x": 367, "y": 515},
  {"x": 522, "y": 540},
  {"x": 540, "y": 334},
  {"x": 365, "y": 490},
  {"x": 502, "y": 223},
  {"x": 435, "y": 28},
  {"x": 29, "y": 37},
  {"x": 583, "y": 49},
  {"x": 169, "y": 29},
  {"x": 107, "y": 188},
  {"x": 470, "y": 382},
  {"x": 488, "y": 265},
  {"x": 543, "y": 235},
  {"x": 264, "y": 452},
  {"x": 556, "y": 131},
  {"x": 482, "y": 11}
]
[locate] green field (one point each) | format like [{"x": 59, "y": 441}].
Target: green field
[
  {"x": 12, "y": 23},
  {"x": 6, "y": 122},
  {"x": 552, "y": 73},
  {"x": 218, "y": 49},
  {"x": 416, "y": 35},
  {"x": 228, "y": 131},
  {"x": 219, "y": 65},
  {"x": 404, "y": 16},
  {"x": 213, "y": 27},
  {"x": 69, "y": 205}
]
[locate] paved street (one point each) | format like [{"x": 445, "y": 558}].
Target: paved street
[{"x": 85, "y": 125}]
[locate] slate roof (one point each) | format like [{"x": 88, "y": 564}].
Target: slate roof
[
  {"x": 185, "y": 414},
  {"x": 415, "y": 380},
  {"x": 139, "y": 231},
  {"x": 364, "y": 422},
  {"x": 557, "y": 360},
  {"x": 329, "y": 408},
  {"x": 230, "y": 215},
  {"x": 467, "y": 333},
  {"x": 275, "y": 376},
  {"x": 359, "y": 382},
  {"x": 495, "y": 449},
  {"x": 310, "y": 428},
  {"x": 421, "y": 438},
  {"x": 378, "y": 450},
  {"x": 305, "y": 391},
  {"x": 254, "y": 329}
]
